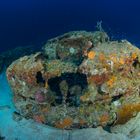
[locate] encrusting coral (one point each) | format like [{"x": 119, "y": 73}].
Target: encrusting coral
[{"x": 80, "y": 80}]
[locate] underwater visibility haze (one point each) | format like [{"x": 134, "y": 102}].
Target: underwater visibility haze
[
  {"x": 30, "y": 22},
  {"x": 69, "y": 70}
]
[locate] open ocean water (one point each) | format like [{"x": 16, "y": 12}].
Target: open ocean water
[{"x": 32, "y": 22}]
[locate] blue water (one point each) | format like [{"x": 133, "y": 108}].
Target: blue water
[{"x": 32, "y": 22}]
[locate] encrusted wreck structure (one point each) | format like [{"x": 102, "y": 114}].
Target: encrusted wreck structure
[{"x": 79, "y": 80}]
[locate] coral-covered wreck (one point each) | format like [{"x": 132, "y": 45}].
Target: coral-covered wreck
[{"x": 80, "y": 79}]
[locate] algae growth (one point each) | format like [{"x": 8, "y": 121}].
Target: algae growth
[{"x": 79, "y": 80}]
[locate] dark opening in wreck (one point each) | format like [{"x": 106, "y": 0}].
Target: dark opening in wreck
[{"x": 71, "y": 84}]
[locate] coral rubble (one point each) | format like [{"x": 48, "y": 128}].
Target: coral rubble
[{"x": 80, "y": 79}]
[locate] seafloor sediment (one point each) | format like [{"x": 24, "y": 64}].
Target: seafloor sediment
[{"x": 80, "y": 80}]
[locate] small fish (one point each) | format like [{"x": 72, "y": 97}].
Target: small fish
[{"x": 4, "y": 107}]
